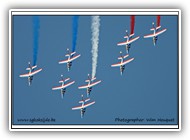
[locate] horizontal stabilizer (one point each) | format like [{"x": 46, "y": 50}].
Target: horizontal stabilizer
[
  {"x": 86, "y": 100},
  {"x": 94, "y": 78},
  {"x": 131, "y": 35},
  {"x": 87, "y": 80},
  {"x": 73, "y": 53},
  {"x": 33, "y": 67},
  {"x": 123, "y": 57},
  {"x": 158, "y": 27},
  {"x": 61, "y": 81}
]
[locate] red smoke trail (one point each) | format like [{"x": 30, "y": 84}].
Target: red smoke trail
[
  {"x": 132, "y": 24},
  {"x": 158, "y": 21}
]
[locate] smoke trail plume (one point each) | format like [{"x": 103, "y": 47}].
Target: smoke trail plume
[
  {"x": 95, "y": 41},
  {"x": 75, "y": 30},
  {"x": 158, "y": 21},
  {"x": 36, "y": 27},
  {"x": 132, "y": 24}
]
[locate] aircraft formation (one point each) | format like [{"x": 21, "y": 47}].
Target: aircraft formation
[
  {"x": 71, "y": 56},
  {"x": 129, "y": 40}
]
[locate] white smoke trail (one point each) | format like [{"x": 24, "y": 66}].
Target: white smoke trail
[{"x": 95, "y": 41}]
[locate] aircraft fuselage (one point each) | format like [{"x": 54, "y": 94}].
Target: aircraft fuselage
[
  {"x": 63, "y": 90},
  {"x": 122, "y": 67},
  {"x": 69, "y": 64},
  {"x": 83, "y": 110},
  {"x": 30, "y": 78}
]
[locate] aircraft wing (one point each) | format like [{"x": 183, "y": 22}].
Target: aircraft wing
[
  {"x": 63, "y": 61},
  {"x": 75, "y": 57},
  {"x": 116, "y": 65},
  {"x": 63, "y": 86},
  {"x": 35, "y": 72},
  {"x": 56, "y": 88},
  {"x": 30, "y": 74},
  {"x": 122, "y": 43},
  {"x": 89, "y": 104},
  {"x": 134, "y": 39},
  {"x": 25, "y": 75},
  {"x": 149, "y": 35},
  {"x": 127, "y": 61},
  {"x": 68, "y": 84},
  {"x": 95, "y": 83},
  {"x": 85, "y": 86},
  {"x": 77, "y": 107},
  {"x": 160, "y": 32}
]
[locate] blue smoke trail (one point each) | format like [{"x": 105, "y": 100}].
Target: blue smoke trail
[
  {"x": 36, "y": 27},
  {"x": 75, "y": 30}
]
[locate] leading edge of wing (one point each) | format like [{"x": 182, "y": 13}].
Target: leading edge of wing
[
  {"x": 89, "y": 104},
  {"x": 149, "y": 35},
  {"x": 35, "y": 72},
  {"x": 63, "y": 61},
  {"x": 75, "y": 57},
  {"x": 24, "y": 75},
  {"x": 86, "y": 105},
  {"x": 95, "y": 83},
  {"x": 77, "y": 107},
  {"x": 160, "y": 32},
  {"x": 81, "y": 87},
  {"x": 127, "y": 61},
  {"x": 122, "y": 43},
  {"x": 68, "y": 84},
  {"x": 116, "y": 65},
  {"x": 134, "y": 39}
]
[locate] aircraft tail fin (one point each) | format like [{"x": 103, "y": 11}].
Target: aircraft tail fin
[{"x": 61, "y": 81}]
